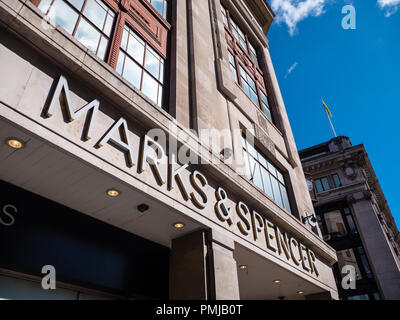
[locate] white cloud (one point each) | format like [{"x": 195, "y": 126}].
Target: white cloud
[
  {"x": 390, "y": 6},
  {"x": 292, "y": 12},
  {"x": 290, "y": 70}
]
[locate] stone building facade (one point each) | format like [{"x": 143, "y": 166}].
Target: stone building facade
[
  {"x": 354, "y": 218},
  {"x": 147, "y": 153}
]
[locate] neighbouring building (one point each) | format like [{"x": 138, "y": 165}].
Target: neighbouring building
[
  {"x": 146, "y": 154},
  {"x": 354, "y": 218}
]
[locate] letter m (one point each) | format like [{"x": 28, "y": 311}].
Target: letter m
[{"x": 62, "y": 88}]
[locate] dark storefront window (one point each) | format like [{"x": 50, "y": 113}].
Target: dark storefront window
[
  {"x": 265, "y": 175},
  {"x": 245, "y": 61},
  {"x": 85, "y": 252},
  {"x": 89, "y": 21}
]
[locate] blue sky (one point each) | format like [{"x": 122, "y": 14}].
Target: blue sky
[{"x": 357, "y": 72}]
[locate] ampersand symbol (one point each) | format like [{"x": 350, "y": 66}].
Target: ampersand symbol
[{"x": 223, "y": 212}]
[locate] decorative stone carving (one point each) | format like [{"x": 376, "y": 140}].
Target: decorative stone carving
[{"x": 264, "y": 139}]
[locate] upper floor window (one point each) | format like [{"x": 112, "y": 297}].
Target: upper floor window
[
  {"x": 322, "y": 184},
  {"x": 239, "y": 35},
  {"x": 233, "y": 66},
  {"x": 160, "y": 6},
  {"x": 243, "y": 59},
  {"x": 336, "y": 180},
  {"x": 141, "y": 65},
  {"x": 265, "y": 175},
  {"x": 89, "y": 21},
  {"x": 249, "y": 86},
  {"x": 253, "y": 54}
]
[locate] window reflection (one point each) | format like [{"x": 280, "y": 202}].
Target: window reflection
[
  {"x": 265, "y": 175},
  {"x": 93, "y": 29},
  {"x": 347, "y": 257},
  {"x": 141, "y": 65},
  {"x": 335, "y": 224}
]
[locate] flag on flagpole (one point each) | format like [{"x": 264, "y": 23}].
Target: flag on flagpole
[
  {"x": 326, "y": 108},
  {"x": 329, "y": 114}
]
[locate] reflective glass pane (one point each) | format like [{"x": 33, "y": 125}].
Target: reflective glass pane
[
  {"x": 365, "y": 262},
  {"x": 325, "y": 184},
  {"x": 136, "y": 48},
  {"x": 152, "y": 63},
  {"x": 108, "y": 26},
  {"x": 150, "y": 87},
  {"x": 251, "y": 149},
  {"x": 277, "y": 193},
  {"x": 257, "y": 179},
  {"x": 254, "y": 98},
  {"x": 44, "y": 5},
  {"x": 95, "y": 13},
  {"x": 77, "y": 3},
  {"x": 267, "y": 183},
  {"x": 158, "y": 5},
  {"x": 335, "y": 224},
  {"x": 124, "y": 40},
  {"x": 347, "y": 257},
  {"x": 132, "y": 72},
  {"x": 280, "y": 177},
  {"x": 88, "y": 35},
  {"x": 285, "y": 197},
  {"x": 162, "y": 71},
  {"x": 120, "y": 63},
  {"x": 246, "y": 163},
  {"x": 267, "y": 112},
  {"x": 101, "y": 52},
  {"x": 336, "y": 180},
  {"x": 360, "y": 297},
  {"x": 160, "y": 95},
  {"x": 63, "y": 15},
  {"x": 352, "y": 225},
  {"x": 318, "y": 186}
]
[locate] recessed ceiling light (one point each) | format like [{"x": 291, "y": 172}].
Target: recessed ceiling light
[
  {"x": 243, "y": 267},
  {"x": 300, "y": 292},
  {"x": 179, "y": 225},
  {"x": 113, "y": 192},
  {"x": 15, "y": 143},
  {"x": 277, "y": 281}
]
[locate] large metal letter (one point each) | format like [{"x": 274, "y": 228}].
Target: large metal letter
[
  {"x": 62, "y": 87},
  {"x": 122, "y": 143}
]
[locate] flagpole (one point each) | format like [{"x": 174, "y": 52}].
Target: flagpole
[{"x": 330, "y": 121}]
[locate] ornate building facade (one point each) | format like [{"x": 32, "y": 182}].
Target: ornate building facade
[{"x": 354, "y": 218}]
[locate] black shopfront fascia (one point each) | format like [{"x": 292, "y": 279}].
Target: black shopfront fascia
[
  {"x": 84, "y": 251},
  {"x": 349, "y": 241}
]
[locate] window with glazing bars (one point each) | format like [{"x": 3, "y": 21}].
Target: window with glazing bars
[
  {"x": 249, "y": 86},
  {"x": 89, "y": 21},
  {"x": 322, "y": 184},
  {"x": 265, "y": 175},
  {"x": 233, "y": 66},
  {"x": 160, "y": 6},
  {"x": 141, "y": 65}
]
